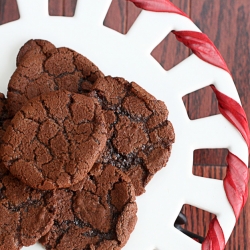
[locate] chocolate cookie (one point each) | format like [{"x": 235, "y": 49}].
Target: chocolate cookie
[
  {"x": 34, "y": 48},
  {"x": 98, "y": 213},
  {"x": 39, "y": 73},
  {"x": 54, "y": 140},
  {"x": 25, "y": 214},
  {"x": 140, "y": 136}
]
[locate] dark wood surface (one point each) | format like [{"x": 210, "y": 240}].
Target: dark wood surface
[{"x": 227, "y": 23}]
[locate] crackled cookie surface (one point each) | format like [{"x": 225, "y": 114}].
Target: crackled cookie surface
[
  {"x": 34, "y": 48},
  {"x": 41, "y": 70},
  {"x": 25, "y": 214},
  {"x": 139, "y": 134},
  {"x": 98, "y": 213},
  {"x": 54, "y": 140}
]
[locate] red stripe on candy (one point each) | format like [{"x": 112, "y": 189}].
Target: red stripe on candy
[
  {"x": 235, "y": 183},
  {"x": 234, "y": 113},
  {"x": 158, "y": 6},
  {"x": 202, "y": 47},
  {"x": 215, "y": 237}
]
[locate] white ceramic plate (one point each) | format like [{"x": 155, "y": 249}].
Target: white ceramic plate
[{"x": 129, "y": 56}]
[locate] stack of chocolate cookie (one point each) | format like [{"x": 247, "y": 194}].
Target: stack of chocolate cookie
[{"x": 76, "y": 148}]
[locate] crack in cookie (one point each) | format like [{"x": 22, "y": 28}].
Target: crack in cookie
[
  {"x": 42, "y": 68},
  {"x": 54, "y": 140},
  {"x": 97, "y": 213},
  {"x": 140, "y": 136}
]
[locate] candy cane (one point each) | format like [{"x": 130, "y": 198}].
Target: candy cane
[{"x": 237, "y": 177}]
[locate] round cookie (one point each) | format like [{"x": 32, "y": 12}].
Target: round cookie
[
  {"x": 140, "y": 136},
  {"x": 38, "y": 74},
  {"x": 54, "y": 140},
  {"x": 34, "y": 48},
  {"x": 26, "y": 214},
  {"x": 98, "y": 213}
]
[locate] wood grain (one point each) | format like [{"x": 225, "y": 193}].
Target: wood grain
[
  {"x": 56, "y": 7},
  {"x": 210, "y": 157},
  {"x": 69, "y": 7},
  {"x": 62, "y": 7},
  {"x": 132, "y": 14},
  {"x": 117, "y": 16},
  {"x": 227, "y": 23},
  {"x": 8, "y": 11}
]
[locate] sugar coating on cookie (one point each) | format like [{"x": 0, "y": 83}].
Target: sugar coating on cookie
[
  {"x": 26, "y": 214},
  {"x": 39, "y": 73},
  {"x": 54, "y": 140},
  {"x": 140, "y": 136},
  {"x": 98, "y": 213}
]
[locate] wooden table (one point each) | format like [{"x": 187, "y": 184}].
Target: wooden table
[{"x": 227, "y": 23}]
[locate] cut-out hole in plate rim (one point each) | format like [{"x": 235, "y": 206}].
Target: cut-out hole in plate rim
[
  {"x": 119, "y": 20},
  {"x": 201, "y": 103},
  {"x": 170, "y": 52},
  {"x": 210, "y": 157},
  {"x": 197, "y": 222},
  {"x": 8, "y": 11},
  {"x": 62, "y": 7}
]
